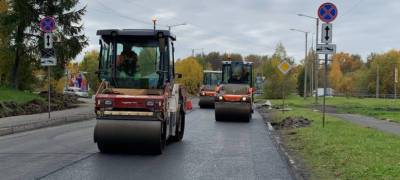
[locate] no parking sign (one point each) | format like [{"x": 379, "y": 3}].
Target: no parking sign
[
  {"x": 327, "y": 12},
  {"x": 47, "y": 24}
]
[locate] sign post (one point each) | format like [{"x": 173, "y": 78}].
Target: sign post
[
  {"x": 48, "y": 59},
  {"x": 327, "y": 12},
  {"x": 284, "y": 67}
]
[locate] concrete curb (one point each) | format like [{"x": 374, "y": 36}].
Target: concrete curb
[
  {"x": 293, "y": 169},
  {"x": 45, "y": 123}
]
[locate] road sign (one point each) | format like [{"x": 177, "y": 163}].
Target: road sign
[
  {"x": 284, "y": 67},
  {"x": 48, "y": 57},
  {"x": 326, "y": 33},
  {"x": 48, "y": 40},
  {"x": 47, "y": 24},
  {"x": 50, "y": 61},
  {"x": 396, "y": 75},
  {"x": 327, "y": 12},
  {"x": 326, "y": 48}
]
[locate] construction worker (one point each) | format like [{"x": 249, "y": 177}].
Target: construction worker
[{"x": 128, "y": 58}]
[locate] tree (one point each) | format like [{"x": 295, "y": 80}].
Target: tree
[
  {"x": 4, "y": 48},
  {"x": 386, "y": 64},
  {"x": 26, "y": 37},
  {"x": 335, "y": 75},
  {"x": 192, "y": 74},
  {"x": 90, "y": 65},
  {"x": 342, "y": 75},
  {"x": 214, "y": 59},
  {"x": 275, "y": 80}
]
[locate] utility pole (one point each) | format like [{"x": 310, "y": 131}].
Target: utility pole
[
  {"x": 377, "y": 81},
  {"x": 396, "y": 80},
  {"x": 312, "y": 70},
  {"x": 305, "y": 61},
  {"x": 198, "y": 49},
  {"x": 305, "y": 69},
  {"x": 316, "y": 68}
]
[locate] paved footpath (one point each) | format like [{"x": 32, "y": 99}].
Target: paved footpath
[
  {"x": 14, "y": 124},
  {"x": 386, "y": 126}
]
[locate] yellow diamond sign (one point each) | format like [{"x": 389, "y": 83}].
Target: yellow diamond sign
[{"x": 284, "y": 67}]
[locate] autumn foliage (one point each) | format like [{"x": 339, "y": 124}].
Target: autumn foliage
[{"x": 192, "y": 74}]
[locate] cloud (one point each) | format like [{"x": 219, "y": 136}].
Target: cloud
[{"x": 251, "y": 26}]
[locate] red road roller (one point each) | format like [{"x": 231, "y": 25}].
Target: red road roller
[
  {"x": 234, "y": 98},
  {"x": 138, "y": 104},
  {"x": 211, "y": 80}
]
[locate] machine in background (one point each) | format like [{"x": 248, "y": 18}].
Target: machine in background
[
  {"x": 211, "y": 80},
  {"x": 234, "y": 99}
]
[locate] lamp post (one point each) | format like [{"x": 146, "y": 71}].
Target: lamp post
[
  {"x": 176, "y": 25},
  {"x": 305, "y": 61},
  {"x": 316, "y": 68}
]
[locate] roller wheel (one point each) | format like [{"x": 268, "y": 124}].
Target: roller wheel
[
  {"x": 104, "y": 148},
  {"x": 180, "y": 131},
  {"x": 247, "y": 119},
  {"x": 160, "y": 147},
  {"x": 218, "y": 117}
]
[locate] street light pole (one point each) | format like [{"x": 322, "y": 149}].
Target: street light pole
[
  {"x": 316, "y": 69},
  {"x": 176, "y": 25},
  {"x": 305, "y": 61}
]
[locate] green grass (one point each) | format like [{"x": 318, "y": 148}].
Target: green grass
[
  {"x": 343, "y": 150},
  {"x": 378, "y": 108},
  {"x": 17, "y": 96}
]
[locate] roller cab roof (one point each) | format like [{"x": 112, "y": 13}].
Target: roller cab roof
[
  {"x": 244, "y": 62},
  {"x": 135, "y": 32}
]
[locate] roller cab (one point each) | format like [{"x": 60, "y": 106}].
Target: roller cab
[
  {"x": 234, "y": 98},
  {"x": 138, "y": 105},
  {"x": 211, "y": 80}
]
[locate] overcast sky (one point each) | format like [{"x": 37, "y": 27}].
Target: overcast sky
[{"x": 250, "y": 26}]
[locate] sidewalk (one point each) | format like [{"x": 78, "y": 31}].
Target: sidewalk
[
  {"x": 15, "y": 124},
  {"x": 386, "y": 126}
]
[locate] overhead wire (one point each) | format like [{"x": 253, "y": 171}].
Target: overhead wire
[
  {"x": 111, "y": 10},
  {"x": 115, "y": 12}
]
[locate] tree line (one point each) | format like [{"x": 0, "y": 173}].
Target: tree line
[
  {"x": 21, "y": 42},
  {"x": 21, "y": 39}
]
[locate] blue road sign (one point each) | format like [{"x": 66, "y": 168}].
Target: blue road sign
[
  {"x": 47, "y": 24},
  {"x": 327, "y": 12}
]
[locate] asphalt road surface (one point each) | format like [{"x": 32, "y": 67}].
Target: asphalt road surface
[{"x": 209, "y": 150}]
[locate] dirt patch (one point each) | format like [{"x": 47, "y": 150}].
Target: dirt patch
[
  {"x": 292, "y": 123},
  {"x": 58, "y": 102}
]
